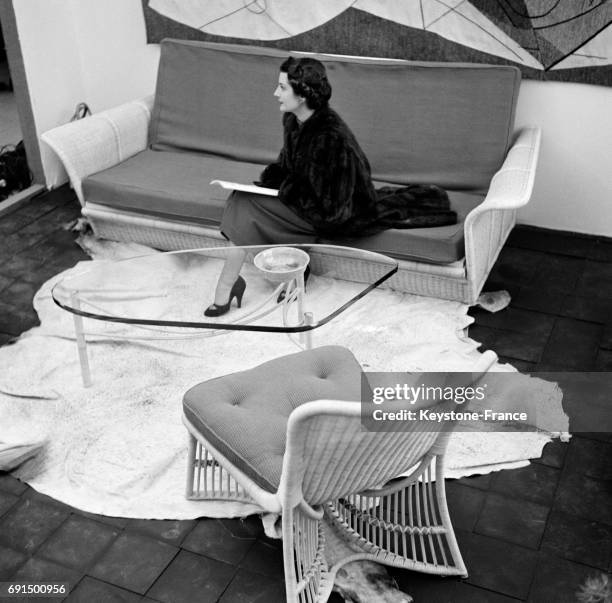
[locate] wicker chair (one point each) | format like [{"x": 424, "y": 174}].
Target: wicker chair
[{"x": 254, "y": 437}]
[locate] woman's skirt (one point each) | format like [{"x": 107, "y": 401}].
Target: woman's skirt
[{"x": 252, "y": 219}]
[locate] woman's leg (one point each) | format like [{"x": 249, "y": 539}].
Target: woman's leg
[{"x": 229, "y": 274}]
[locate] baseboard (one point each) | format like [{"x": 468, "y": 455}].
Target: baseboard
[{"x": 18, "y": 199}]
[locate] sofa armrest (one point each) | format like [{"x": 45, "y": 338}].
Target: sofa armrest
[
  {"x": 488, "y": 225},
  {"x": 100, "y": 141}
]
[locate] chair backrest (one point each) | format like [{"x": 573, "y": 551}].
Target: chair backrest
[{"x": 329, "y": 454}]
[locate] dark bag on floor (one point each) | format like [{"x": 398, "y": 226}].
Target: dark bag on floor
[{"x": 15, "y": 174}]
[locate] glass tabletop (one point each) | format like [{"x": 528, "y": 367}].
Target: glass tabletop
[{"x": 172, "y": 289}]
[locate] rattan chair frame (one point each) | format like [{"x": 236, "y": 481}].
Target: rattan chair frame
[{"x": 340, "y": 482}]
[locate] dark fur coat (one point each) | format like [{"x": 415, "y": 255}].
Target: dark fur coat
[{"x": 324, "y": 177}]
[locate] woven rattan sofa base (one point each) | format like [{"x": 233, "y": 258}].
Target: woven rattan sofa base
[{"x": 445, "y": 281}]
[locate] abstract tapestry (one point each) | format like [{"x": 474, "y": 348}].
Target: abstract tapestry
[{"x": 567, "y": 40}]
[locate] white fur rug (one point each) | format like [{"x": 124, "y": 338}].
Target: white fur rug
[{"x": 119, "y": 448}]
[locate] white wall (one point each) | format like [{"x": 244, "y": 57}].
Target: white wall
[
  {"x": 573, "y": 188},
  {"x": 95, "y": 51},
  {"x": 82, "y": 50}
]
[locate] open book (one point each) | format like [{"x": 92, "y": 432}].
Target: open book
[{"x": 247, "y": 188}]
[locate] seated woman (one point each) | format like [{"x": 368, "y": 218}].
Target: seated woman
[{"x": 323, "y": 180}]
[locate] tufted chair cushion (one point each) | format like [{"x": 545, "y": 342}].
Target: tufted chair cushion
[{"x": 244, "y": 415}]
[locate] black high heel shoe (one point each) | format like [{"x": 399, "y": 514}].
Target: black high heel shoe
[
  {"x": 237, "y": 291},
  {"x": 283, "y": 293}
]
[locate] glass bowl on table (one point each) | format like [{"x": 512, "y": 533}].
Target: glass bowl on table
[{"x": 281, "y": 264}]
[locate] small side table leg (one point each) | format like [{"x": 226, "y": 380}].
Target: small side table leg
[
  {"x": 308, "y": 320},
  {"x": 81, "y": 342},
  {"x": 305, "y": 336}
]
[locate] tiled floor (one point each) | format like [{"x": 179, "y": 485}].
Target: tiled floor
[{"x": 531, "y": 534}]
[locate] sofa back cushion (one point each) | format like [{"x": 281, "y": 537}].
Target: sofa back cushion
[{"x": 443, "y": 123}]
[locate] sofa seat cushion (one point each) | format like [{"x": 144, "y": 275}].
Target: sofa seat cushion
[
  {"x": 176, "y": 186},
  {"x": 169, "y": 184},
  {"x": 244, "y": 415},
  {"x": 439, "y": 245}
]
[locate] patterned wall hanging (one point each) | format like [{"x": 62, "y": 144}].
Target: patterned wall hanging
[{"x": 567, "y": 40}]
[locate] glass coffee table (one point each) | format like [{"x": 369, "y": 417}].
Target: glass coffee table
[{"x": 163, "y": 295}]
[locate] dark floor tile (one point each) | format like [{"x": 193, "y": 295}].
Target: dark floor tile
[
  {"x": 212, "y": 538},
  {"x": 169, "y": 530},
  {"x": 6, "y": 339},
  {"x": 558, "y": 273},
  {"x": 512, "y": 345},
  {"x": 38, "y": 497},
  {"x": 57, "y": 197},
  {"x": 535, "y": 483},
  {"x": 265, "y": 559},
  {"x": 551, "y": 241},
  {"x": 422, "y": 587},
  {"x": 538, "y": 299},
  {"x": 464, "y": 504},
  {"x": 10, "y": 562},
  {"x": 558, "y": 580},
  {"x": 17, "y": 292},
  {"x": 41, "y": 570},
  {"x": 20, "y": 241},
  {"x": 590, "y": 457},
  {"x": 14, "y": 221},
  {"x": 522, "y": 366},
  {"x": 512, "y": 520},
  {"x": 7, "y": 500},
  {"x": 117, "y": 522},
  {"x": 5, "y": 281},
  {"x": 573, "y": 344},
  {"x": 19, "y": 266},
  {"x": 190, "y": 578},
  {"x": 14, "y": 320},
  {"x": 596, "y": 280},
  {"x": 477, "y": 481},
  {"x": 553, "y": 454},
  {"x": 606, "y": 337},
  {"x": 247, "y": 587},
  {"x": 586, "y": 399},
  {"x": 10, "y": 484},
  {"x": 41, "y": 274},
  {"x": 90, "y": 590},
  {"x": 603, "y": 362},
  {"x": 497, "y": 566},
  {"x": 78, "y": 542},
  {"x": 513, "y": 267},
  {"x": 584, "y": 497},
  {"x": 27, "y": 525},
  {"x": 581, "y": 540},
  {"x": 133, "y": 562},
  {"x": 55, "y": 245},
  {"x": 597, "y": 435},
  {"x": 601, "y": 251},
  {"x": 517, "y": 320},
  {"x": 590, "y": 308},
  {"x": 246, "y": 527}
]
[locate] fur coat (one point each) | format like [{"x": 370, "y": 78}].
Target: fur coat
[{"x": 323, "y": 175}]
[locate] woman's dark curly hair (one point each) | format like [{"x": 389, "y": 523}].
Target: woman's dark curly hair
[{"x": 308, "y": 79}]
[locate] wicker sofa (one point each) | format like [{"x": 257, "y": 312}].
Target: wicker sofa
[{"x": 142, "y": 170}]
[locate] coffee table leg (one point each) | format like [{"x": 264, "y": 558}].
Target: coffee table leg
[{"x": 81, "y": 342}]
